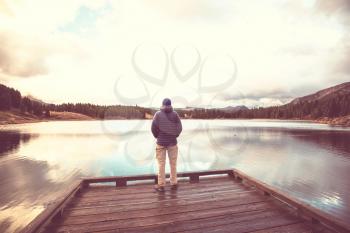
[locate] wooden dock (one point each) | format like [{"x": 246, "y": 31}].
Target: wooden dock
[{"x": 208, "y": 201}]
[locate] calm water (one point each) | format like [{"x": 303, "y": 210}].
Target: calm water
[{"x": 37, "y": 161}]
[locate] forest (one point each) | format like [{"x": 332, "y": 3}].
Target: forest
[
  {"x": 12, "y": 99},
  {"x": 335, "y": 105}
]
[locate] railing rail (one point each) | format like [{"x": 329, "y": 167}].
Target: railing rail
[{"x": 122, "y": 180}]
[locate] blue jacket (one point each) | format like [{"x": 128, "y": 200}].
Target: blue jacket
[{"x": 166, "y": 126}]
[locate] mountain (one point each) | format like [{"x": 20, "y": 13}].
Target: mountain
[
  {"x": 329, "y": 103},
  {"x": 231, "y": 109},
  {"x": 328, "y": 93},
  {"x": 33, "y": 99}
]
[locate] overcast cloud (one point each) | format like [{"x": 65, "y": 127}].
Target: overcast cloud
[{"x": 75, "y": 51}]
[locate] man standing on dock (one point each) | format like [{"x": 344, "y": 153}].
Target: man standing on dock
[{"x": 166, "y": 127}]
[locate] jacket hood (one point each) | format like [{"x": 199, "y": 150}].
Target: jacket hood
[{"x": 166, "y": 108}]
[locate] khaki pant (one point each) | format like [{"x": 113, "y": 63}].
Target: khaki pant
[{"x": 161, "y": 158}]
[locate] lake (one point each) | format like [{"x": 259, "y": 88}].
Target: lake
[{"x": 38, "y": 160}]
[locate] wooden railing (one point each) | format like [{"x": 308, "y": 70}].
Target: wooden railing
[
  {"x": 121, "y": 181},
  {"x": 302, "y": 209}
]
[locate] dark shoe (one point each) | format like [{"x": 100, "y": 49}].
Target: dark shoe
[
  {"x": 159, "y": 188},
  {"x": 174, "y": 187}
]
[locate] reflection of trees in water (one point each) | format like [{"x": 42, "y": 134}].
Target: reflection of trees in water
[
  {"x": 25, "y": 182},
  {"x": 11, "y": 140},
  {"x": 263, "y": 140},
  {"x": 322, "y": 176},
  {"x": 329, "y": 140}
]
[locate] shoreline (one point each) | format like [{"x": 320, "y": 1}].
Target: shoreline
[
  {"x": 15, "y": 117},
  {"x": 337, "y": 121}
]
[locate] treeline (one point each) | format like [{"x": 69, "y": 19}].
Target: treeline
[
  {"x": 204, "y": 113},
  {"x": 335, "y": 105},
  {"x": 12, "y": 99},
  {"x": 103, "y": 112}
]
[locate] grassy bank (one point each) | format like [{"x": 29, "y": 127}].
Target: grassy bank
[
  {"x": 17, "y": 117},
  {"x": 337, "y": 121}
]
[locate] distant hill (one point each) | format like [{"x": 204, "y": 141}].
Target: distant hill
[
  {"x": 330, "y": 102},
  {"x": 34, "y": 99},
  {"x": 325, "y": 104},
  {"x": 231, "y": 109},
  {"x": 328, "y": 93}
]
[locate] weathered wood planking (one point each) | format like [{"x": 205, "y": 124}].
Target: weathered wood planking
[
  {"x": 303, "y": 209},
  {"x": 53, "y": 211},
  {"x": 213, "y": 201}
]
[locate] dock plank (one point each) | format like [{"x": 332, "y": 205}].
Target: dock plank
[
  {"x": 154, "y": 205},
  {"x": 216, "y": 204},
  {"x": 300, "y": 227},
  {"x": 120, "y": 191},
  {"x": 110, "y": 223},
  {"x": 196, "y": 224},
  {"x": 159, "y": 198},
  {"x": 151, "y": 194},
  {"x": 159, "y": 210}
]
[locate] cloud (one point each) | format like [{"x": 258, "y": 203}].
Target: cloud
[
  {"x": 279, "y": 94},
  {"x": 21, "y": 56},
  {"x": 270, "y": 97},
  {"x": 338, "y": 8},
  {"x": 338, "y": 61},
  {"x": 333, "y": 6},
  {"x": 4, "y": 8},
  {"x": 31, "y": 38},
  {"x": 300, "y": 50},
  {"x": 258, "y": 97},
  {"x": 341, "y": 66},
  {"x": 278, "y": 45},
  {"x": 203, "y": 10}
]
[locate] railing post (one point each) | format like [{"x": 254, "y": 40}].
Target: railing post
[
  {"x": 239, "y": 179},
  {"x": 120, "y": 182},
  {"x": 194, "y": 178},
  {"x": 85, "y": 184},
  {"x": 231, "y": 173},
  {"x": 266, "y": 193}
]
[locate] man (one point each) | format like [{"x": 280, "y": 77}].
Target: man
[{"x": 166, "y": 127}]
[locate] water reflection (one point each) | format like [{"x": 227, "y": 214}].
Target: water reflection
[
  {"x": 25, "y": 187},
  {"x": 11, "y": 140},
  {"x": 329, "y": 140},
  {"x": 37, "y": 161}
]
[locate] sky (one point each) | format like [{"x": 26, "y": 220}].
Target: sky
[{"x": 204, "y": 53}]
